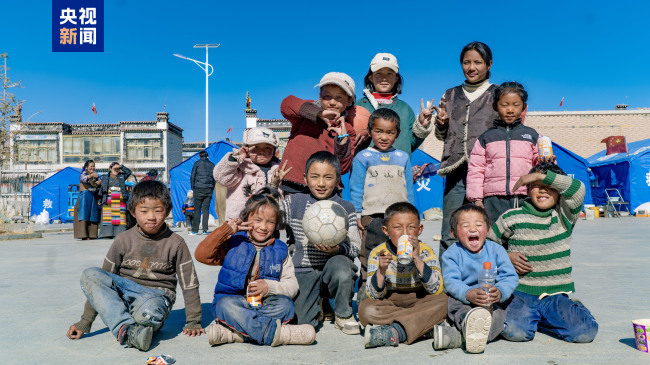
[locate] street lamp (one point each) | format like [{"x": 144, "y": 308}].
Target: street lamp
[{"x": 205, "y": 66}]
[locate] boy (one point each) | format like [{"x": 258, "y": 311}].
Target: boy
[
  {"x": 467, "y": 304},
  {"x": 538, "y": 239},
  {"x": 322, "y": 125},
  {"x": 135, "y": 289},
  {"x": 188, "y": 210},
  {"x": 381, "y": 176},
  {"x": 406, "y": 301},
  {"x": 323, "y": 271}
]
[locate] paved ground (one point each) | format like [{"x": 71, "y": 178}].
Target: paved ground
[{"x": 40, "y": 297}]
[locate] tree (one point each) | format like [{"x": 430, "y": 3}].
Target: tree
[{"x": 9, "y": 105}]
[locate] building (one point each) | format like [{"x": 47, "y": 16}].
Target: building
[
  {"x": 281, "y": 127},
  {"x": 44, "y": 148}
]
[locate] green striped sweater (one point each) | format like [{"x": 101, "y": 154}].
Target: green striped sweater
[{"x": 544, "y": 237}]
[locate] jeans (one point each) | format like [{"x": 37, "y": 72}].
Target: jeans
[
  {"x": 202, "y": 199},
  {"x": 452, "y": 199},
  {"x": 556, "y": 314},
  {"x": 258, "y": 323},
  {"x": 335, "y": 280},
  {"x": 120, "y": 301}
]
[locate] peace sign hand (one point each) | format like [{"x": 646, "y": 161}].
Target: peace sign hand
[
  {"x": 442, "y": 118},
  {"x": 279, "y": 174},
  {"x": 426, "y": 113},
  {"x": 339, "y": 129}
]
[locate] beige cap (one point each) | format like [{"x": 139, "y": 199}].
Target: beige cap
[
  {"x": 339, "y": 79},
  {"x": 382, "y": 60},
  {"x": 260, "y": 135}
]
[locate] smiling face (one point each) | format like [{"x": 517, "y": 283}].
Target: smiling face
[
  {"x": 402, "y": 224},
  {"x": 321, "y": 179},
  {"x": 334, "y": 98},
  {"x": 261, "y": 153},
  {"x": 383, "y": 80},
  {"x": 471, "y": 230},
  {"x": 474, "y": 67},
  {"x": 150, "y": 215},
  {"x": 115, "y": 170},
  {"x": 90, "y": 168},
  {"x": 510, "y": 106},
  {"x": 263, "y": 221},
  {"x": 383, "y": 134},
  {"x": 543, "y": 197}
]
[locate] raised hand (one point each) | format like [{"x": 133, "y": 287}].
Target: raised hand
[
  {"x": 384, "y": 260},
  {"x": 528, "y": 179},
  {"x": 442, "y": 118},
  {"x": 237, "y": 225},
  {"x": 279, "y": 174},
  {"x": 327, "y": 116},
  {"x": 339, "y": 129},
  {"x": 426, "y": 113},
  {"x": 243, "y": 153}
]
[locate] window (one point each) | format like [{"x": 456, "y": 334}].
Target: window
[
  {"x": 104, "y": 148},
  {"x": 38, "y": 151},
  {"x": 149, "y": 149}
]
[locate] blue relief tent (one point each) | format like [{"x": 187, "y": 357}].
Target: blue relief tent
[
  {"x": 575, "y": 166},
  {"x": 628, "y": 172},
  {"x": 51, "y": 194},
  {"x": 427, "y": 189},
  {"x": 179, "y": 178}
]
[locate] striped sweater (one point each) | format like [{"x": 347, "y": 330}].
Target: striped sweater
[{"x": 544, "y": 237}]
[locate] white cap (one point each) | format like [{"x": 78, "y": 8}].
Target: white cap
[
  {"x": 339, "y": 79},
  {"x": 382, "y": 60},
  {"x": 260, "y": 135}
]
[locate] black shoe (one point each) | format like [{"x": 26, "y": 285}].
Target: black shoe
[{"x": 135, "y": 335}]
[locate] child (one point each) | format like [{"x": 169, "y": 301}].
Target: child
[
  {"x": 467, "y": 304},
  {"x": 323, "y": 271},
  {"x": 383, "y": 83},
  {"x": 253, "y": 264},
  {"x": 247, "y": 170},
  {"x": 323, "y": 125},
  {"x": 381, "y": 176},
  {"x": 188, "y": 210},
  {"x": 405, "y": 301},
  {"x": 538, "y": 239},
  {"x": 502, "y": 154},
  {"x": 135, "y": 289}
]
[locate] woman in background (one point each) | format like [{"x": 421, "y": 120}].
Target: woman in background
[{"x": 86, "y": 211}]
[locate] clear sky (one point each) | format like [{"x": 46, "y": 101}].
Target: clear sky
[{"x": 592, "y": 53}]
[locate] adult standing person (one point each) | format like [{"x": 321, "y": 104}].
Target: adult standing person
[
  {"x": 114, "y": 197},
  {"x": 86, "y": 210},
  {"x": 202, "y": 183},
  {"x": 465, "y": 112}
]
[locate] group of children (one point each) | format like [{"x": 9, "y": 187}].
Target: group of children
[{"x": 274, "y": 293}]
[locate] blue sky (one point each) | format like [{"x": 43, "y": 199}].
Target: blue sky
[{"x": 592, "y": 53}]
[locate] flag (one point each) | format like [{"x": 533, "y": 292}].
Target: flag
[
  {"x": 229, "y": 130},
  {"x": 523, "y": 115},
  {"x": 94, "y": 109},
  {"x": 562, "y": 101},
  {"x": 615, "y": 144}
]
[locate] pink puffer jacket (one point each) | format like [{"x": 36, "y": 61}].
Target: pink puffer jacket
[
  {"x": 240, "y": 179},
  {"x": 501, "y": 155}
]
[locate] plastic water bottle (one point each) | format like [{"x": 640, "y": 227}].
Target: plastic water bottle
[{"x": 486, "y": 277}]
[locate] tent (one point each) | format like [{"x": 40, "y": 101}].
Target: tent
[
  {"x": 575, "y": 166},
  {"x": 427, "y": 189},
  {"x": 179, "y": 177},
  {"x": 628, "y": 172},
  {"x": 51, "y": 194}
]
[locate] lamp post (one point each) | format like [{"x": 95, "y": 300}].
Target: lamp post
[{"x": 205, "y": 66}]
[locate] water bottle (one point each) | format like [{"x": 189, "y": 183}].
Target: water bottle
[{"x": 486, "y": 277}]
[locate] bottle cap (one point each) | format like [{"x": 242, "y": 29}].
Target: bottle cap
[{"x": 487, "y": 265}]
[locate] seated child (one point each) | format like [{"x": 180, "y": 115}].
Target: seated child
[
  {"x": 538, "y": 239},
  {"x": 247, "y": 170},
  {"x": 381, "y": 176},
  {"x": 405, "y": 301},
  {"x": 322, "y": 125},
  {"x": 323, "y": 271},
  {"x": 467, "y": 304},
  {"x": 188, "y": 210},
  {"x": 135, "y": 289},
  {"x": 254, "y": 264}
]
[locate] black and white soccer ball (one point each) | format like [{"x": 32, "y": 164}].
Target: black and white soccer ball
[{"x": 325, "y": 222}]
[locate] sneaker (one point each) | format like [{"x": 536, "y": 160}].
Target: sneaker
[
  {"x": 287, "y": 334},
  {"x": 349, "y": 325},
  {"x": 476, "y": 328},
  {"x": 326, "y": 311},
  {"x": 219, "y": 334},
  {"x": 206, "y": 232},
  {"x": 193, "y": 233},
  {"x": 135, "y": 335},
  {"x": 445, "y": 337},
  {"x": 380, "y": 336}
]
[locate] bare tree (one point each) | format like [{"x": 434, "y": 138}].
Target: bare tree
[{"x": 10, "y": 105}]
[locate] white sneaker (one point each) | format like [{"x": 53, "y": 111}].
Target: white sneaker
[
  {"x": 193, "y": 233},
  {"x": 476, "y": 329},
  {"x": 349, "y": 326}
]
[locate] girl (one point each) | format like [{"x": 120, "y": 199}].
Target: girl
[
  {"x": 86, "y": 212},
  {"x": 114, "y": 197},
  {"x": 382, "y": 85},
  {"x": 247, "y": 170},
  {"x": 502, "y": 154},
  {"x": 254, "y": 265},
  {"x": 465, "y": 112}
]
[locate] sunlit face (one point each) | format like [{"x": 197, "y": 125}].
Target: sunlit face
[
  {"x": 474, "y": 67},
  {"x": 334, "y": 98},
  {"x": 543, "y": 197},
  {"x": 150, "y": 215},
  {"x": 510, "y": 106},
  {"x": 383, "y": 80},
  {"x": 471, "y": 230},
  {"x": 264, "y": 222},
  {"x": 383, "y": 134},
  {"x": 402, "y": 224},
  {"x": 261, "y": 153},
  {"x": 321, "y": 179},
  {"x": 90, "y": 168},
  {"x": 115, "y": 170}
]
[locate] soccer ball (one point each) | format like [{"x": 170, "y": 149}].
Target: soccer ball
[{"x": 325, "y": 222}]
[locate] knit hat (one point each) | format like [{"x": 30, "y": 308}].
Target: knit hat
[
  {"x": 260, "y": 135},
  {"x": 382, "y": 60},
  {"x": 339, "y": 79}
]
